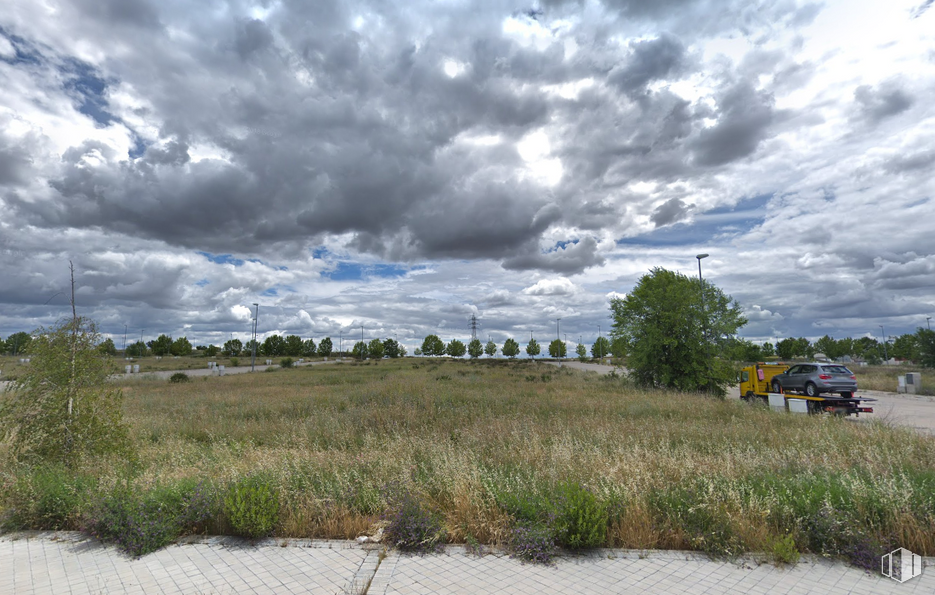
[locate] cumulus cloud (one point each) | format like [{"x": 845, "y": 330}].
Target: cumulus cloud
[
  {"x": 877, "y": 104},
  {"x": 560, "y": 286},
  {"x": 349, "y": 163}
]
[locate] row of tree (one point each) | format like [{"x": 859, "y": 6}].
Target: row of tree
[
  {"x": 434, "y": 346},
  {"x": 377, "y": 349},
  {"x": 909, "y": 347},
  {"x": 918, "y": 347}
]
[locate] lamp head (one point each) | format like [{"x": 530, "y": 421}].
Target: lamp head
[{"x": 700, "y": 256}]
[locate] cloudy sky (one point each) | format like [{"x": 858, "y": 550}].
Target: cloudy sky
[{"x": 404, "y": 165}]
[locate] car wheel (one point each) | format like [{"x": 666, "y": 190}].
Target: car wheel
[
  {"x": 777, "y": 388},
  {"x": 811, "y": 390}
]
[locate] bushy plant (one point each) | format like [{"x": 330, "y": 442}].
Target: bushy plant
[
  {"x": 286, "y": 362},
  {"x": 46, "y": 498},
  {"x": 580, "y": 519},
  {"x": 784, "y": 550},
  {"x": 532, "y": 543},
  {"x": 235, "y": 362},
  {"x": 411, "y": 527},
  {"x": 137, "y": 525},
  {"x": 252, "y": 506},
  {"x": 706, "y": 523},
  {"x": 179, "y": 377},
  {"x": 833, "y": 532},
  {"x": 62, "y": 407}
]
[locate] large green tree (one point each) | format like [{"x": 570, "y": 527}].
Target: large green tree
[
  {"x": 582, "y": 352},
  {"x": 162, "y": 345},
  {"x": 180, "y": 347},
  {"x": 557, "y": 348},
  {"x": 490, "y": 349},
  {"x": 137, "y": 349},
  {"x": 455, "y": 348},
  {"x": 510, "y": 348},
  {"x": 233, "y": 347},
  {"x": 325, "y": 347},
  {"x": 601, "y": 348},
  {"x": 360, "y": 350},
  {"x": 107, "y": 347},
  {"x": 675, "y": 328},
  {"x": 292, "y": 346},
  {"x": 432, "y": 345},
  {"x": 925, "y": 341},
  {"x": 391, "y": 348},
  {"x": 375, "y": 349},
  {"x": 62, "y": 406},
  {"x": 274, "y": 345},
  {"x": 532, "y": 348},
  {"x": 18, "y": 343},
  {"x": 475, "y": 348}
]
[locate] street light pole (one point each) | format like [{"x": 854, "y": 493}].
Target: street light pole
[
  {"x": 704, "y": 316},
  {"x": 142, "y": 345},
  {"x": 124, "y": 341},
  {"x": 927, "y": 323},
  {"x": 886, "y": 356},
  {"x": 361, "y": 342},
  {"x": 256, "y": 317}
]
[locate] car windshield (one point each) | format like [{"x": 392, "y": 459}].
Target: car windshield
[{"x": 836, "y": 369}]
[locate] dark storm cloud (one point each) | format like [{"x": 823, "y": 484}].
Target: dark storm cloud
[
  {"x": 651, "y": 60},
  {"x": 670, "y": 211},
  {"x": 570, "y": 259},
  {"x": 743, "y": 119},
  {"x": 878, "y": 104}
]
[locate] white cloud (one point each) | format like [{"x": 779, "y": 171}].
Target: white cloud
[{"x": 560, "y": 286}]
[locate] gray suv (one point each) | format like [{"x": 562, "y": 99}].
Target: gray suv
[{"x": 817, "y": 378}]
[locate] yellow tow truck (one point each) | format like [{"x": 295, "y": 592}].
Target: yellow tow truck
[{"x": 756, "y": 381}]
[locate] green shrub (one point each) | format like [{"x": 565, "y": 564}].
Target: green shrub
[
  {"x": 178, "y": 378},
  {"x": 235, "y": 362},
  {"x": 705, "y": 521},
  {"x": 784, "y": 550},
  {"x": 580, "y": 520},
  {"x": 62, "y": 408},
  {"x": 46, "y": 498},
  {"x": 140, "y": 523},
  {"x": 252, "y": 506},
  {"x": 286, "y": 362}
]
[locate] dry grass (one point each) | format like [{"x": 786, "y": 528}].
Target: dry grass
[
  {"x": 460, "y": 435},
  {"x": 884, "y": 377}
]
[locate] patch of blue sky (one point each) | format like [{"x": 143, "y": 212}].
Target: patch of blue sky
[
  {"x": 139, "y": 147},
  {"x": 352, "y": 271},
  {"x": 561, "y": 245},
  {"x": 223, "y": 259},
  {"x": 202, "y": 282},
  {"x": 23, "y": 54},
  {"x": 717, "y": 224},
  {"x": 271, "y": 292},
  {"x": 320, "y": 252},
  {"x": 88, "y": 89}
]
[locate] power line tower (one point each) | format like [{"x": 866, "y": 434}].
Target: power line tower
[{"x": 473, "y": 326}]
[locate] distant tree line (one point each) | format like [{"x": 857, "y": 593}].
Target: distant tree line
[{"x": 917, "y": 348}]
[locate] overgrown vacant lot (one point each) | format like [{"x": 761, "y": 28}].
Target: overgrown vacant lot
[{"x": 490, "y": 447}]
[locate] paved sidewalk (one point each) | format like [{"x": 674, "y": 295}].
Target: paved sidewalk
[{"x": 69, "y": 563}]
